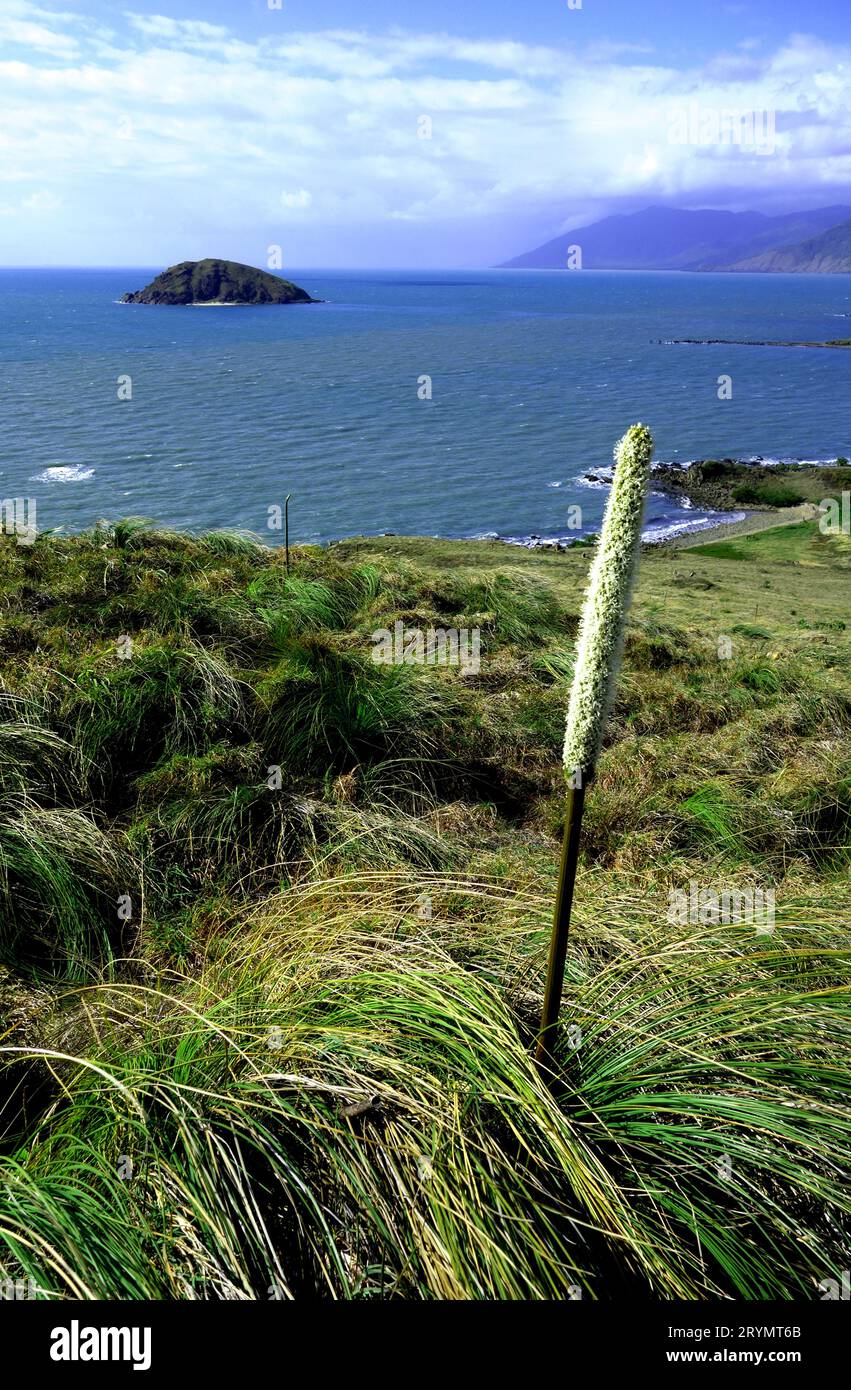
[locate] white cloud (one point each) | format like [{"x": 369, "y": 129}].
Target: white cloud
[
  {"x": 20, "y": 33},
  {"x": 301, "y": 199},
  {"x": 175, "y": 121},
  {"x": 181, "y": 33},
  {"x": 41, "y": 201}
]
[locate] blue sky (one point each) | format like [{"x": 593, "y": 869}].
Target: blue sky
[
  {"x": 684, "y": 29},
  {"x": 451, "y": 132}
]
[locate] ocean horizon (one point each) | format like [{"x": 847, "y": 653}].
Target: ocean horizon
[{"x": 446, "y": 403}]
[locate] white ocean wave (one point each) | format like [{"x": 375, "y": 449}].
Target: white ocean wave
[
  {"x": 603, "y": 479},
  {"x": 664, "y": 532},
  {"x": 64, "y": 473}
]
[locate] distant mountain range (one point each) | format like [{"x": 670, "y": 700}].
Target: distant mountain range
[
  {"x": 829, "y": 253},
  {"x": 661, "y": 238}
]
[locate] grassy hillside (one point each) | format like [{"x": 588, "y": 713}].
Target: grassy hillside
[{"x": 274, "y": 917}]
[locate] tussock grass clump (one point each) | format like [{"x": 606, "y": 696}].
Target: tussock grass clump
[
  {"x": 35, "y": 760},
  {"x": 158, "y": 701},
  {"x": 340, "y": 1105},
  {"x": 60, "y": 878},
  {"x": 327, "y": 705}
]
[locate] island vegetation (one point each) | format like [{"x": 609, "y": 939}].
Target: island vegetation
[{"x": 218, "y": 282}]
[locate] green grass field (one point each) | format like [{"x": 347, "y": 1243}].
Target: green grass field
[{"x": 274, "y": 921}]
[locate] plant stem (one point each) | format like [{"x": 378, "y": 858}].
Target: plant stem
[
  {"x": 561, "y": 927},
  {"x": 287, "y": 529}
]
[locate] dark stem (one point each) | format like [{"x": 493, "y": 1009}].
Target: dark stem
[
  {"x": 561, "y": 928},
  {"x": 287, "y": 529}
]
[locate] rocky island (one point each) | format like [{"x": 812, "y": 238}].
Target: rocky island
[
  {"x": 755, "y": 342},
  {"x": 218, "y": 282}
]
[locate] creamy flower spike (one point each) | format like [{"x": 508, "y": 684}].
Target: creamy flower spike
[{"x": 601, "y": 630}]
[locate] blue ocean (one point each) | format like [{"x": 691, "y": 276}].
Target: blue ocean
[{"x": 532, "y": 378}]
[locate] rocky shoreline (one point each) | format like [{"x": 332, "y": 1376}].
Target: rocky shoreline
[
  {"x": 745, "y": 526},
  {"x": 737, "y": 484},
  {"x": 753, "y": 342}
]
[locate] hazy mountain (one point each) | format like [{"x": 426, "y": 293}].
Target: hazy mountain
[
  {"x": 830, "y": 252},
  {"x": 661, "y": 238}
]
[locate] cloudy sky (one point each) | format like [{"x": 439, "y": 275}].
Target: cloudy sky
[{"x": 181, "y": 129}]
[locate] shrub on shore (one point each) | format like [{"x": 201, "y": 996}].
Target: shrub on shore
[{"x": 766, "y": 495}]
